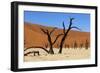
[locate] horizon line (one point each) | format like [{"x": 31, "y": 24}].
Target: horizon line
[{"x": 51, "y": 26}]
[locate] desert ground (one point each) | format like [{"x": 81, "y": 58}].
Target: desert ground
[{"x": 67, "y": 54}]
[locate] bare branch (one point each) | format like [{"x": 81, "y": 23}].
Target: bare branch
[
  {"x": 63, "y": 28},
  {"x": 48, "y": 32},
  {"x": 52, "y": 30},
  {"x": 71, "y": 19},
  {"x": 37, "y": 47},
  {"x": 49, "y": 40},
  {"x": 28, "y": 53},
  {"x": 44, "y": 30},
  {"x": 25, "y": 54},
  {"x": 57, "y": 38},
  {"x": 75, "y": 27}
]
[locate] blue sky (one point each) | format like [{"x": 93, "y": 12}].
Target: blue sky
[{"x": 55, "y": 19}]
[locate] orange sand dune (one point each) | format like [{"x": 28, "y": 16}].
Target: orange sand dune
[{"x": 33, "y": 36}]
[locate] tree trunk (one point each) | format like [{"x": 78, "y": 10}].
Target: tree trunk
[
  {"x": 51, "y": 50},
  {"x": 51, "y": 46},
  {"x": 63, "y": 40},
  {"x": 61, "y": 44}
]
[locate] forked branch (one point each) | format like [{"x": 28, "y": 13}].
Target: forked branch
[
  {"x": 57, "y": 38},
  {"x": 71, "y": 19}
]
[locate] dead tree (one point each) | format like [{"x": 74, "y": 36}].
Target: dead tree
[
  {"x": 75, "y": 45},
  {"x": 86, "y": 44},
  {"x": 81, "y": 45},
  {"x": 49, "y": 35},
  {"x": 66, "y": 33}
]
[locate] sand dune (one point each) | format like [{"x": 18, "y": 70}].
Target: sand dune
[{"x": 33, "y": 36}]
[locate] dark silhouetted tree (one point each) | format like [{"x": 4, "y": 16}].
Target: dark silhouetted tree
[
  {"x": 50, "y": 42},
  {"x": 65, "y": 32},
  {"x": 49, "y": 35}
]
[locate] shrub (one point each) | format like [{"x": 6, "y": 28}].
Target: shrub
[{"x": 75, "y": 45}]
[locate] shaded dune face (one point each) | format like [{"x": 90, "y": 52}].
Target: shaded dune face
[{"x": 33, "y": 36}]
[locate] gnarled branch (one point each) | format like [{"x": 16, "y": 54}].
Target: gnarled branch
[
  {"x": 37, "y": 47},
  {"x": 71, "y": 19},
  {"x": 28, "y": 53}
]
